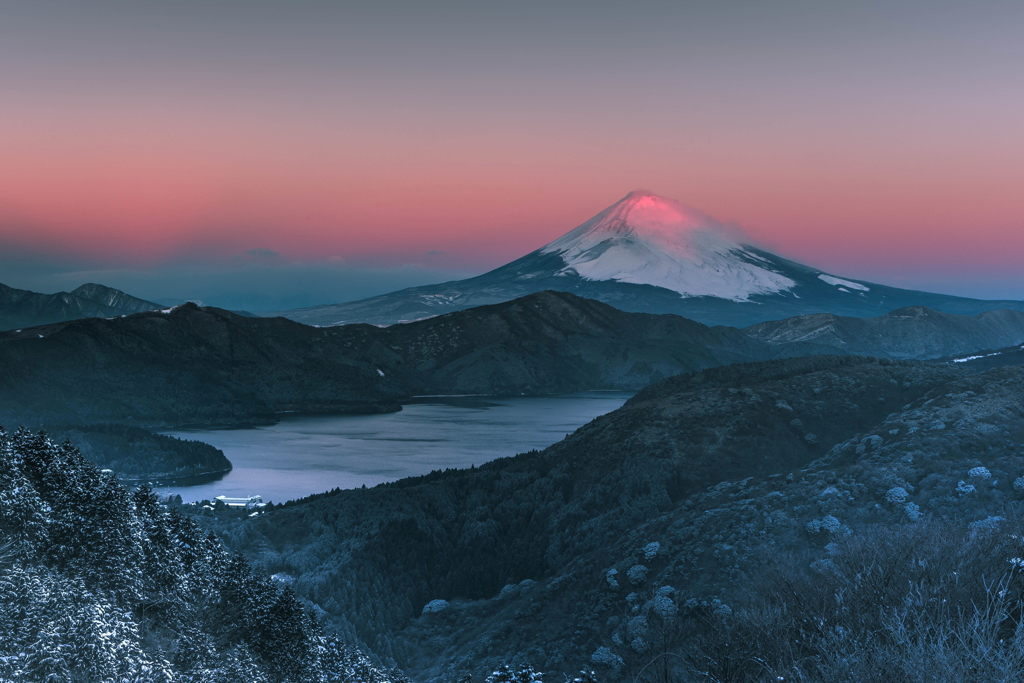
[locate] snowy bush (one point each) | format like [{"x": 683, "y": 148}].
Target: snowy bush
[
  {"x": 667, "y": 591},
  {"x": 663, "y": 606},
  {"x": 963, "y": 488},
  {"x": 897, "y": 495},
  {"x": 508, "y": 589},
  {"x": 811, "y": 438},
  {"x": 913, "y": 511},
  {"x": 827, "y": 523},
  {"x": 824, "y": 565},
  {"x": 640, "y": 645},
  {"x": 611, "y": 576},
  {"x": 636, "y": 574},
  {"x": 979, "y": 473},
  {"x": 872, "y": 442},
  {"x": 636, "y": 627},
  {"x": 988, "y": 524},
  {"x": 435, "y": 606},
  {"x": 651, "y": 550},
  {"x": 605, "y": 657},
  {"x": 505, "y": 674},
  {"x": 1018, "y": 484}
]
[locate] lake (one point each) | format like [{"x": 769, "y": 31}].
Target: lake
[{"x": 306, "y": 454}]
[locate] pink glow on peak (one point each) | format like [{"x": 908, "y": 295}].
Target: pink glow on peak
[{"x": 651, "y": 213}]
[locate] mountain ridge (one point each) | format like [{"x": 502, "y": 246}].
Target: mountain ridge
[
  {"x": 21, "y": 308},
  {"x": 192, "y": 365},
  {"x": 752, "y": 284},
  {"x": 913, "y": 332}
]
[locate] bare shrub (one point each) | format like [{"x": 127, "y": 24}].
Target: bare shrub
[{"x": 911, "y": 603}]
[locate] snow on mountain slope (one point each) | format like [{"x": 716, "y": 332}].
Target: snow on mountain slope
[
  {"x": 649, "y": 240},
  {"x": 648, "y": 254}
]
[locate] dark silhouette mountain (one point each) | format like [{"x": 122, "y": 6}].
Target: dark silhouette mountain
[
  {"x": 20, "y": 308},
  {"x": 547, "y": 342},
  {"x": 184, "y": 366},
  {"x": 668, "y": 508},
  {"x": 653, "y": 255},
  {"x": 192, "y": 365},
  {"x": 913, "y": 332},
  {"x": 136, "y": 454}
]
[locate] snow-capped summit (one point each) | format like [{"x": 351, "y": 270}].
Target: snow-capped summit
[
  {"x": 645, "y": 239},
  {"x": 649, "y": 254}
]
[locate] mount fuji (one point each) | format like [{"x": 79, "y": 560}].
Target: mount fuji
[{"x": 650, "y": 254}]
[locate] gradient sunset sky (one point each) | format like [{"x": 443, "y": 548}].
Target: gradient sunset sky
[{"x": 269, "y": 155}]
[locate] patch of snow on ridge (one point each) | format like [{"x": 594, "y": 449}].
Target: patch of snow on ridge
[
  {"x": 967, "y": 358},
  {"x": 839, "y": 282},
  {"x": 649, "y": 240}
]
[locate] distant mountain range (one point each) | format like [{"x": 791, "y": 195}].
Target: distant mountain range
[
  {"x": 653, "y": 255},
  {"x": 915, "y": 332},
  {"x": 192, "y": 365},
  {"x": 20, "y": 308}
]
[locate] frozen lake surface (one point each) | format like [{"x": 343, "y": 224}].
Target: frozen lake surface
[{"x": 307, "y": 454}]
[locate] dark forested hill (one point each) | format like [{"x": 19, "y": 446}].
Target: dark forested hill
[
  {"x": 547, "y": 343},
  {"x": 102, "y": 584},
  {"x": 192, "y": 365},
  {"x": 185, "y": 365},
  {"x": 137, "y": 454},
  {"x": 20, "y": 308},
  {"x": 554, "y": 555}
]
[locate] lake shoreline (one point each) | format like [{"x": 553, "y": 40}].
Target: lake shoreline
[{"x": 302, "y": 454}]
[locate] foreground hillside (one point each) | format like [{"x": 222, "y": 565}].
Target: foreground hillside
[
  {"x": 102, "y": 584},
  {"x": 671, "y": 503}
]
